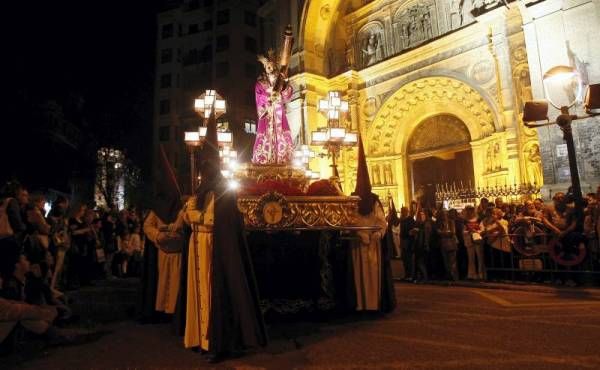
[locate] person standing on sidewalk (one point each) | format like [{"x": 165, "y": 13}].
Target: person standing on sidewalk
[{"x": 474, "y": 245}]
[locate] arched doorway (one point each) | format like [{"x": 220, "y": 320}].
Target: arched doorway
[{"x": 439, "y": 152}]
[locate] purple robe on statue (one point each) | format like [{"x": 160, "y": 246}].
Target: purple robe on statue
[{"x": 273, "y": 143}]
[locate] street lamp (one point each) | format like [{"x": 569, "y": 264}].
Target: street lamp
[
  {"x": 333, "y": 137},
  {"x": 563, "y": 88}
]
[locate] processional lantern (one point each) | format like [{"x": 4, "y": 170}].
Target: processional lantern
[
  {"x": 334, "y": 136},
  {"x": 211, "y": 106}
]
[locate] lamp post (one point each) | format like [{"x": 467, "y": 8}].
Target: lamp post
[
  {"x": 211, "y": 106},
  {"x": 563, "y": 88},
  {"x": 333, "y": 137}
]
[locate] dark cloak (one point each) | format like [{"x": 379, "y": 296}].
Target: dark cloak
[
  {"x": 236, "y": 321},
  {"x": 179, "y": 319},
  {"x": 147, "y": 303},
  {"x": 388, "y": 294}
]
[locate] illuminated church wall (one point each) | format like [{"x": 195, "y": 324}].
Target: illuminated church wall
[
  {"x": 566, "y": 33},
  {"x": 402, "y": 63}
]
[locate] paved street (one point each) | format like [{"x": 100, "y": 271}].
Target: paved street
[{"x": 434, "y": 327}]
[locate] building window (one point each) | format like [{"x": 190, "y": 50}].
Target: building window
[
  {"x": 223, "y": 17},
  {"x": 193, "y": 28},
  {"x": 206, "y": 54},
  {"x": 208, "y": 25},
  {"x": 193, "y": 4},
  {"x": 192, "y": 57},
  {"x": 165, "y": 81},
  {"x": 166, "y": 56},
  {"x": 165, "y": 107},
  {"x": 250, "y": 19},
  {"x": 222, "y": 69},
  {"x": 167, "y": 31},
  {"x": 250, "y": 44},
  {"x": 222, "y": 43},
  {"x": 250, "y": 70},
  {"x": 164, "y": 133}
]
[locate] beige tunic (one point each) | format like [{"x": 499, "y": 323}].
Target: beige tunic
[
  {"x": 199, "y": 279},
  {"x": 169, "y": 264},
  {"x": 366, "y": 261}
]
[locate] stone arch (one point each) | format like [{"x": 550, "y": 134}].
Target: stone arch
[
  {"x": 422, "y": 98},
  {"x": 318, "y": 20},
  {"x": 438, "y": 132}
]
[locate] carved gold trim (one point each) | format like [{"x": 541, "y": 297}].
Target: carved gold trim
[{"x": 303, "y": 212}]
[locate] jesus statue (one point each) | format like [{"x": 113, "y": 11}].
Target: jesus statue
[{"x": 273, "y": 143}]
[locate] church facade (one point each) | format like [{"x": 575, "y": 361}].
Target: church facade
[{"x": 436, "y": 88}]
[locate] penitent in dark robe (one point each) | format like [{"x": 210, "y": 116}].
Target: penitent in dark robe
[{"x": 223, "y": 314}]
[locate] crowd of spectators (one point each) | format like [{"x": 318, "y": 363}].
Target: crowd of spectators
[
  {"x": 453, "y": 245},
  {"x": 44, "y": 253}
]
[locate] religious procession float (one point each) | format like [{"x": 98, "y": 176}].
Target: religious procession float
[{"x": 299, "y": 227}]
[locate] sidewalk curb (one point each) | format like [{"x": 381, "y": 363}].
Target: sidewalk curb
[{"x": 594, "y": 292}]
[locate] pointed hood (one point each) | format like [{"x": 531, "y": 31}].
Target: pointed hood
[
  {"x": 167, "y": 197},
  {"x": 363, "y": 183},
  {"x": 210, "y": 164},
  {"x": 392, "y": 217},
  {"x": 210, "y": 150}
]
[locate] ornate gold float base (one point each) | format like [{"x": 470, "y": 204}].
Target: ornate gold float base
[{"x": 273, "y": 211}]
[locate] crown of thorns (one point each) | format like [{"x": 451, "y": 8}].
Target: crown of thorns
[{"x": 270, "y": 57}]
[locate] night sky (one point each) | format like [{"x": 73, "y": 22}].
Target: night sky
[{"x": 102, "y": 51}]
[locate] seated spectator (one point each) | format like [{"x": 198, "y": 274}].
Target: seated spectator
[
  {"x": 130, "y": 253},
  {"x": 38, "y": 237},
  {"x": 12, "y": 232},
  {"x": 15, "y": 315}
]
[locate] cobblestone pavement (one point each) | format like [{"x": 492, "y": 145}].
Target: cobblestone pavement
[{"x": 433, "y": 327}]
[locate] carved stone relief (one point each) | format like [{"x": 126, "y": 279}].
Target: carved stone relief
[
  {"x": 482, "y": 72},
  {"x": 493, "y": 157},
  {"x": 325, "y": 12},
  {"x": 371, "y": 44},
  {"x": 370, "y": 107},
  {"x": 436, "y": 132},
  {"x": 533, "y": 164},
  {"x": 376, "y": 174},
  {"x": 388, "y": 175},
  {"x": 414, "y": 25}
]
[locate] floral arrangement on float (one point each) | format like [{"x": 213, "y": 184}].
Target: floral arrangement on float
[{"x": 288, "y": 188}]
